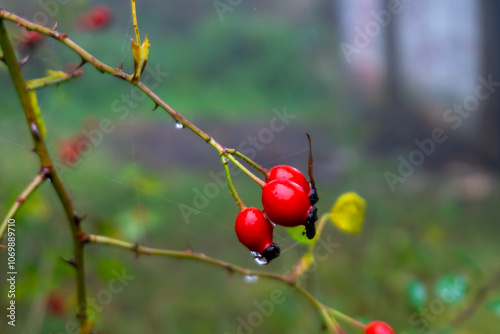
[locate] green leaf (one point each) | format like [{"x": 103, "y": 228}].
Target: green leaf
[
  {"x": 297, "y": 233},
  {"x": 452, "y": 288},
  {"x": 416, "y": 293}
]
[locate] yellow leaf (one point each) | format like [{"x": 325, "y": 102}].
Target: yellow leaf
[
  {"x": 348, "y": 213},
  {"x": 140, "y": 54},
  {"x": 38, "y": 114}
]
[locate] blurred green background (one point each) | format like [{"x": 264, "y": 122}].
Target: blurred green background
[{"x": 231, "y": 73}]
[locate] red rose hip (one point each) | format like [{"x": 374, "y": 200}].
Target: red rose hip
[
  {"x": 285, "y": 203},
  {"x": 378, "y": 327},
  {"x": 255, "y": 232},
  {"x": 284, "y": 172}
]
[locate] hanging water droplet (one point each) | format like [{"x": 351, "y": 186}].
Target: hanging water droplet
[
  {"x": 251, "y": 278},
  {"x": 179, "y": 125},
  {"x": 260, "y": 261},
  {"x": 258, "y": 258}
]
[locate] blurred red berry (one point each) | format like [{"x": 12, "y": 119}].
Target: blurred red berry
[
  {"x": 69, "y": 153},
  {"x": 30, "y": 39},
  {"x": 56, "y": 305},
  {"x": 98, "y": 18},
  {"x": 378, "y": 327}
]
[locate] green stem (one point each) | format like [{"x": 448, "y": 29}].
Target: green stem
[
  {"x": 232, "y": 189},
  {"x": 46, "y": 163},
  {"x": 322, "y": 309},
  {"x": 347, "y": 319},
  {"x": 249, "y": 161},
  {"x": 189, "y": 255},
  {"x": 244, "y": 169},
  {"x": 37, "y": 181}
]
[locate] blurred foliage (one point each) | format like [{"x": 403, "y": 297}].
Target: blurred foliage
[{"x": 416, "y": 293}]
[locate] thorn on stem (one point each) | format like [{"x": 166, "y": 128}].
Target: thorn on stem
[
  {"x": 121, "y": 66},
  {"x": 55, "y": 27},
  {"x": 156, "y": 106},
  {"x": 81, "y": 64},
  {"x": 78, "y": 219},
  {"x": 71, "y": 261}
]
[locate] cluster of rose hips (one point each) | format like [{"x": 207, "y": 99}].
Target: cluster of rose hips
[{"x": 288, "y": 200}]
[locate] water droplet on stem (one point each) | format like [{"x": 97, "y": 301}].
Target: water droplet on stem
[
  {"x": 251, "y": 278},
  {"x": 179, "y": 125}
]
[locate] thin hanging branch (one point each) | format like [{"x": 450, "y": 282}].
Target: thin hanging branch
[
  {"x": 34, "y": 184},
  {"x": 289, "y": 280}
]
